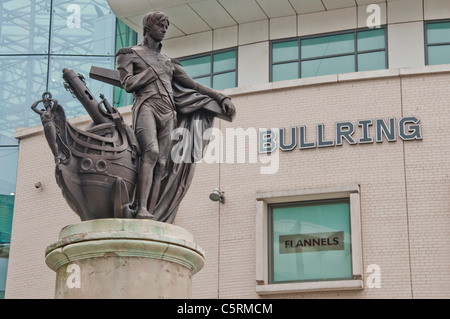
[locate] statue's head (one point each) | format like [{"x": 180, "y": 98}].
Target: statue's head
[{"x": 155, "y": 25}]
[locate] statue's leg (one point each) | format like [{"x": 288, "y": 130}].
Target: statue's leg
[
  {"x": 160, "y": 171},
  {"x": 146, "y": 134}
]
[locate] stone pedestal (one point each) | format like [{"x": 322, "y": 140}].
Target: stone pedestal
[{"x": 124, "y": 258}]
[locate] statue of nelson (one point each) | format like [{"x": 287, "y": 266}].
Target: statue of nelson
[{"x": 149, "y": 75}]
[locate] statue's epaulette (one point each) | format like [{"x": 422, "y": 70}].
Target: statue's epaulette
[
  {"x": 175, "y": 61},
  {"x": 125, "y": 51}
]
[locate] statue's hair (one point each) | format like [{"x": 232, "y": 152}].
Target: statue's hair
[{"x": 152, "y": 18}]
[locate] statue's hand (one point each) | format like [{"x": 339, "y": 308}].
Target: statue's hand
[{"x": 228, "y": 107}]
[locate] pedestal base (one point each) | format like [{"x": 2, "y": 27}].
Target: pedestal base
[{"x": 124, "y": 258}]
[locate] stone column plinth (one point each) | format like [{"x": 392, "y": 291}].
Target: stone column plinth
[{"x": 124, "y": 258}]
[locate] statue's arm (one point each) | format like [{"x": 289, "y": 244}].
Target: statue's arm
[
  {"x": 185, "y": 80},
  {"x": 130, "y": 81}
]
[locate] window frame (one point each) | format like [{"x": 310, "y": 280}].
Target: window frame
[
  {"x": 263, "y": 261},
  {"x": 425, "y": 33},
  {"x": 211, "y": 68},
  {"x": 271, "y": 237},
  {"x": 355, "y": 53}
]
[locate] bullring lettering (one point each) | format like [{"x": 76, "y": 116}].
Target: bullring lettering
[{"x": 407, "y": 128}]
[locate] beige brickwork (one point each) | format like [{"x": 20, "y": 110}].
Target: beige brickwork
[{"x": 404, "y": 187}]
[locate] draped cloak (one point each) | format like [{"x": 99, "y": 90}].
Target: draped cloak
[{"x": 193, "y": 119}]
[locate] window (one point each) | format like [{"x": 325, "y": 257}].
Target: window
[
  {"x": 359, "y": 50},
  {"x": 308, "y": 240},
  {"x": 217, "y": 70},
  {"x": 125, "y": 37},
  {"x": 437, "y": 38},
  {"x": 6, "y": 213}
]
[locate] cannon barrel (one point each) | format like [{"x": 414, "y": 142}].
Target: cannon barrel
[{"x": 76, "y": 85}]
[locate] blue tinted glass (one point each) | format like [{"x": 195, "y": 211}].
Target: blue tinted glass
[
  {"x": 125, "y": 37},
  {"x": 206, "y": 80},
  {"x": 285, "y": 51},
  {"x": 197, "y": 66},
  {"x": 122, "y": 97},
  {"x": 439, "y": 54},
  {"x": 8, "y": 165},
  {"x": 371, "y": 40},
  {"x": 343, "y": 64},
  {"x": 438, "y": 32},
  {"x": 327, "y": 45},
  {"x": 311, "y": 242},
  {"x": 24, "y": 26},
  {"x": 371, "y": 61},
  {"x": 224, "y": 61},
  {"x": 22, "y": 81},
  {"x": 81, "y": 65},
  {"x": 82, "y": 27},
  {"x": 6, "y": 217},
  {"x": 224, "y": 80},
  {"x": 4, "y": 254},
  {"x": 285, "y": 71}
]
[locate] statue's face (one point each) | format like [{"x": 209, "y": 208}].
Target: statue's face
[{"x": 158, "y": 30}]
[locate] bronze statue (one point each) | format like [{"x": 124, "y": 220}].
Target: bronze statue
[
  {"x": 114, "y": 170},
  {"x": 148, "y": 74}
]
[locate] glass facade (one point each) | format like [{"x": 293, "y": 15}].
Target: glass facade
[
  {"x": 6, "y": 208},
  {"x": 38, "y": 38},
  {"x": 359, "y": 50},
  {"x": 310, "y": 241},
  {"x": 437, "y": 42},
  {"x": 217, "y": 70},
  {"x": 125, "y": 37}
]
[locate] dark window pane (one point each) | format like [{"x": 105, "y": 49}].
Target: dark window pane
[
  {"x": 224, "y": 80},
  {"x": 285, "y": 71},
  {"x": 285, "y": 51},
  {"x": 372, "y": 61},
  {"x": 439, "y": 54},
  {"x": 6, "y": 217},
  {"x": 125, "y": 37},
  {"x": 438, "y": 32},
  {"x": 197, "y": 66},
  {"x": 206, "y": 80},
  {"x": 224, "y": 61},
  {"x": 343, "y": 64},
  {"x": 371, "y": 40}
]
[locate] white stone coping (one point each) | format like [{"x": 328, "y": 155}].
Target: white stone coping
[
  {"x": 315, "y": 286},
  {"x": 23, "y": 132},
  {"x": 339, "y": 78},
  {"x": 125, "y": 238},
  {"x": 338, "y": 191}
]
